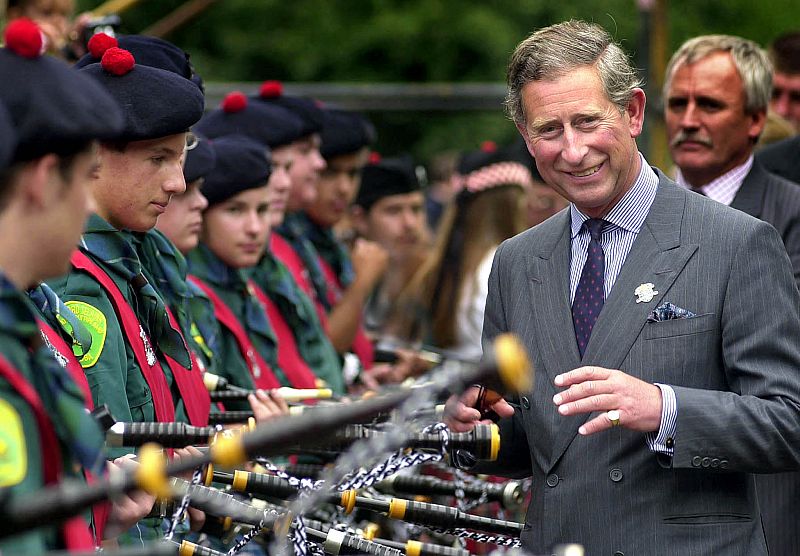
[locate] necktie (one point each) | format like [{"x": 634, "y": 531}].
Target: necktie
[{"x": 589, "y": 296}]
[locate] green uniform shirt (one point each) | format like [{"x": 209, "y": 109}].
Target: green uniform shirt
[
  {"x": 301, "y": 316},
  {"x": 166, "y": 269},
  {"x": 21, "y": 458},
  {"x": 112, "y": 371},
  {"x": 231, "y": 286}
]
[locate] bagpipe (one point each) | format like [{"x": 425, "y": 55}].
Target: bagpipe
[{"x": 284, "y": 507}]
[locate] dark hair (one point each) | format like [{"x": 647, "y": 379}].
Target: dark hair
[{"x": 785, "y": 53}]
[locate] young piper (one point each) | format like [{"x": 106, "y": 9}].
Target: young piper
[
  {"x": 57, "y": 115},
  {"x": 235, "y": 231},
  {"x": 138, "y": 363},
  {"x": 182, "y": 224},
  {"x": 341, "y": 283}
]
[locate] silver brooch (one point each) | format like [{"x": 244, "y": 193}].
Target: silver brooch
[{"x": 148, "y": 349}]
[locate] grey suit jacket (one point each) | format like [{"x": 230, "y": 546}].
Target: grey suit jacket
[
  {"x": 735, "y": 369},
  {"x": 776, "y": 200}
]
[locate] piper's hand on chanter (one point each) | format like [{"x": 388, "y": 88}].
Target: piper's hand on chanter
[{"x": 461, "y": 413}]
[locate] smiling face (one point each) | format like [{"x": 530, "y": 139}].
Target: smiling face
[
  {"x": 135, "y": 185},
  {"x": 236, "y": 230},
  {"x": 182, "y": 222},
  {"x": 583, "y": 144},
  {"x": 709, "y": 130}
]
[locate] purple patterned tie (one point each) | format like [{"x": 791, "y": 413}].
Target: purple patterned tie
[{"x": 589, "y": 295}]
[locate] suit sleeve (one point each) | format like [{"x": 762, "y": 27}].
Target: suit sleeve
[
  {"x": 514, "y": 458},
  {"x": 754, "y": 426}
]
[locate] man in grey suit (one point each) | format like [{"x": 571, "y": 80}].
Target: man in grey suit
[
  {"x": 663, "y": 327},
  {"x": 716, "y": 93}
]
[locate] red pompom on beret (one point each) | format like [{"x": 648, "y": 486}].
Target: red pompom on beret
[
  {"x": 24, "y": 38},
  {"x": 271, "y": 89},
  {"x": 234, "y": 102},
  {"x": 99, "y": 43},
  {"x": 117, "y": 61}
]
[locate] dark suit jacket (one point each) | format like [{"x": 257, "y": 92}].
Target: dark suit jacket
[
  {"x": 734, "y": 369},
  {"x": 777, "y": 201},
  {"x": 782, "y": 158}
]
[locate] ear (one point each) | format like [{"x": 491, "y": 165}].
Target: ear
[
  {"x": 41, "y": 182},
  {"x": 635, "y": 112},
  {"x": 758, "y": 121}
]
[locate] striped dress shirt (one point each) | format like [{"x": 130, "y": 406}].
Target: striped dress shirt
[
  {"x": 624, "y": 222},
  {"x": 724, "y": 188}
]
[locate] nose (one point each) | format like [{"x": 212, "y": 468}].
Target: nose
[
  {"x": 689, "y": 120},
  {"x": 780, "y": 103},
  {"x": 574, "y": 149},
  {"x": 317, "y": 162},
  {"x": 175, "y": 184},
  {"x": 254, "y": 223},
  {"x": 199, "y": 201}
]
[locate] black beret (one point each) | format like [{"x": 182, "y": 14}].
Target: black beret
[
  {"x": 241, "y": 164},
  {"x": 388, "y": 176},
  {"x": 156, "y": 103},
  {"x": 344, "y": 132},
  {"x": 200, "y": 159},
  {"x": 308, "y": 110},
  {"x": 270, "y": 125},
  {"x": 53, "y": 108},
  {"x": 8, "y": 138}
]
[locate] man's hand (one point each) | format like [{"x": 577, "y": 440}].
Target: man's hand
[
  {"x": 460, "y": 414},
  {"x": 197, "y": 518},
  {"x": 592, "y": 389},
  {"x": 126, "y": 509},
  {"x": 267, "y": 405}
]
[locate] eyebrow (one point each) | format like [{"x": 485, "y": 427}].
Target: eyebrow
[{"x": 165, "y": 150}]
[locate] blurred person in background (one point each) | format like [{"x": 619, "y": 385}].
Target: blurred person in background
[
  {"x": 389, "y": 210},
  {"x": 449, "y": 291},
  {"x": 784, "y": 53}
]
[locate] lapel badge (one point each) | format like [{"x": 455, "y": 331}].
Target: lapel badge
[{"x": 645, "y": 293}]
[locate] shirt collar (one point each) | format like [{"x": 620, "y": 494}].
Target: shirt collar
[
  {"x": 720, "y": 186},
  {"x": 630, "y": 212}
]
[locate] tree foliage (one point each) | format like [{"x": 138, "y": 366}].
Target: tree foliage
[{"x": 420, "y": 41}]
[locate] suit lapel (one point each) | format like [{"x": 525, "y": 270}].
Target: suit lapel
[
  {"x": 750, "y": 197},
  {"x": 658, "y": 257},
  {"x": 550, "y": 295}
]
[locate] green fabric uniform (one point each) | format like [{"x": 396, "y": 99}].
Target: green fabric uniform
[
  {"x": 231, "y": 286},
  {"x": 298, "y": 310},
  {"x": 21, "y": 458},
  {"x": 166, "y": 269},
  {"x": 111, "y": 368}
]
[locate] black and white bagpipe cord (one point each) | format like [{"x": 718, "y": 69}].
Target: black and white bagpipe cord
[{"x": 177, "y": 516}]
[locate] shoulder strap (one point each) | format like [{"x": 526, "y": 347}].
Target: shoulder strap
[
  {"x": 135, "y": 335},
  {"x": 259, "y": 369},
  {"x": 73, "y": 367},
  {"x": 289, "y": 358}
]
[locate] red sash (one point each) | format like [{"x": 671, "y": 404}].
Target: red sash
[
  {"x": 285, "y": 253},
  {"x": 190, "y": 383},
  {"x": 102, "y": 509},
  {"x": 73, "y": 367},
  {"x": 362, "y": 345},
  {"x": 75, "y": 531},
  {"x": 259, "y": 369},
  {"x": 159, "y": 389},
  {"x": 289, "y": 358}
]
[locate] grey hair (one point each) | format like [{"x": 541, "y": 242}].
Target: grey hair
[
  {"x": 750, "y": 60},
  {"x": 553, "y": 51}
]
